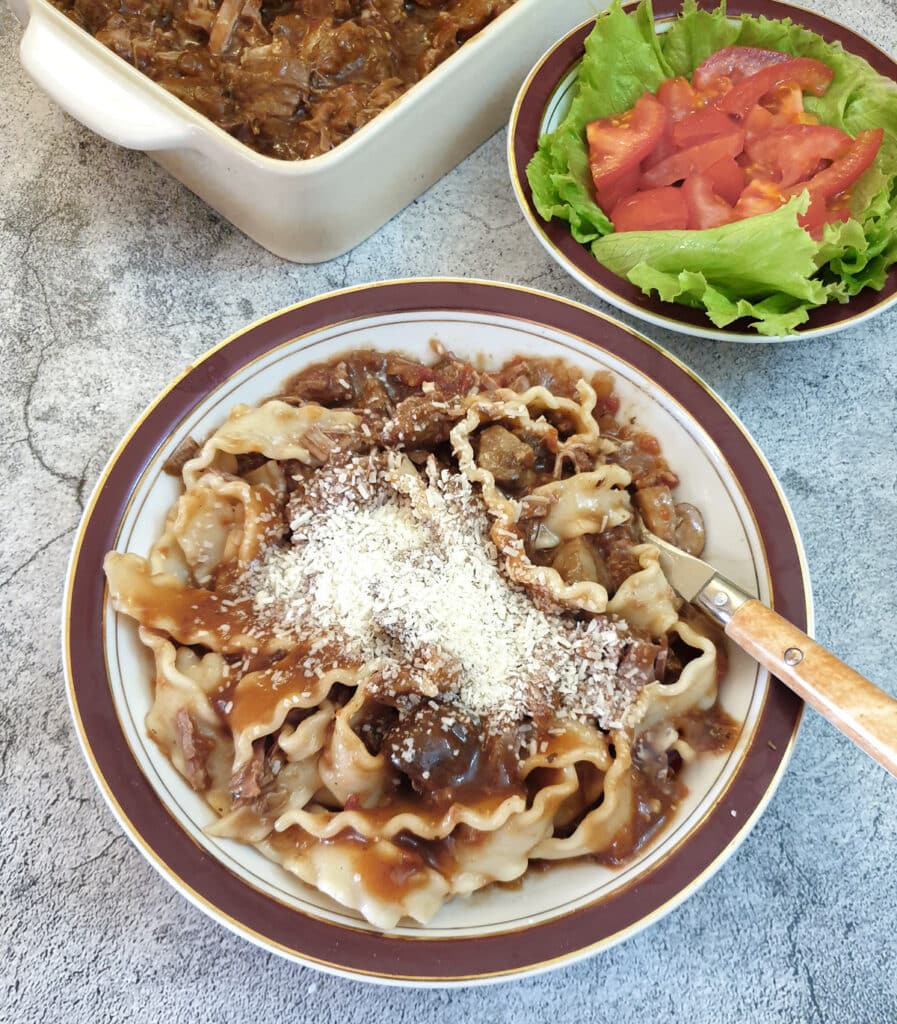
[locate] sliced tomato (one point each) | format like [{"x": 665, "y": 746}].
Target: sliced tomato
[
  {"x": 759, "y": 197},
  {"x": 793, "y": 154},
  {"x": 705, "y": 208},
  {"x": 734, "y": 63},
  {"x": 758, "y": 121},
  {"x": 727, "y": 178},
  {"x": 840, "y": 175},
  {"x": 738, "y": 139},
  {"x": 821, "y": 213},
  {"x": 679, "y": 100},
  {"x": 655, "y": 209},
  {"x": 693, "y": 160},
  {"x": 811, "y": 75},
  {"x": 701, "y": 125},
  {"x": 785, "y": 103},
  {"x": 780, "y": 108},
  {"x": 623, "y": 186},
  {"x": 678, "y": 97},
  {"x": 661, "y": 151},
  {"x": 619, "y": 144}
]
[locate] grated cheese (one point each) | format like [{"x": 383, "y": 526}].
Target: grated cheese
[{"x": 396, "y": 567}]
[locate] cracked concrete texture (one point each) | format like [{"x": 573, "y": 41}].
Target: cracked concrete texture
[{"x": 112, "y": 279}]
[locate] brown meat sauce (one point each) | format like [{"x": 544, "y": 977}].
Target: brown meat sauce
[
  {"x": 454, "y": 758},
  {"x": 657, "y": 783},
  {"x": 386, "y": 879},
  {"x": 289, "y": 78},
  {"x": 656, "y": 797}
]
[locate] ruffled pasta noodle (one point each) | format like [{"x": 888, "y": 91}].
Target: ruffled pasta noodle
[{"x": 406, "y": 639}]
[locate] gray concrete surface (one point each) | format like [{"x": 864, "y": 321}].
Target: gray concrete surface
[{"x": 112, "y": 278}]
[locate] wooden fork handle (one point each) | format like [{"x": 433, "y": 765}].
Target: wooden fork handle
[{"x": 863, "y": 712}]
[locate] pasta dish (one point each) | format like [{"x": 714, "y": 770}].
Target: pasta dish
[{"x": 407, "y": 639}]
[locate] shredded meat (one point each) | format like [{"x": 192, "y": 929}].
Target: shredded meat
[
  {"x": 616, "y": 549},
  {"x": 521, "y": 373},
  {"x": 417, "y": 422},
  {"x": 174, "y": 465},
  {"x": 580, "y": 559},
  {"x": 323, "y": 382},
  {"x": 290, "y": 78},
  {"x": 648, "y": 468},
  {"x": 195, "y": 747},
  {"x": 504, "y": 454},
  {"x": 248, "y": 782},
  {"x": 638, "y": 665}
]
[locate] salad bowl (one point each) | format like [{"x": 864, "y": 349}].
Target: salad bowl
[{"x": 545, "y": 128}]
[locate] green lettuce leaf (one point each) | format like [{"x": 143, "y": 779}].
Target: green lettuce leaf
[
  {"x": 559, "y": 173},
  {"x": 765, "y": 268}
]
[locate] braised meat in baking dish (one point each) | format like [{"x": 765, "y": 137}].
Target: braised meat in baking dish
[{"x": 289, "y": 78}]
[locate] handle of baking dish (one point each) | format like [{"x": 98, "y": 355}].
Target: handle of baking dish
[{"x": 85, "y": 88}]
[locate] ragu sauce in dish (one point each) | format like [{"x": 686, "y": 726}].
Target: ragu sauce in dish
[
  {"x": 406, "y": 637},
  {"x": 289, "y": 78}
]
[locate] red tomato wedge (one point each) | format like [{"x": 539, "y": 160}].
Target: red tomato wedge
[
  {"x": 661, "y": 151},
  {"x": 794, "y": 153},
  {"x": 656, "y": 209},
  {"x": 734, "y": 63},
  {"x": 786, "y": 104},
  {"x": 779, "y": 109},
  {"x": 623, "y": 186},
  {"x": 811, "y": 75},
  {"x": 820, "y": 214},
  {"x": 840, "y": 175},
  {"x": 705, "y": 208},
  {"x": 701, "y": 125},
  {"x": 693, "y": 160},
  {"x": 619, "y": 144},
  {"x": 679, "y": 98},
  {"x": 727, "y": 178},
  {"x": 680, "y": 101},
  {"x": 759, "y": 197},
  {"x": 758, "y": 121}
]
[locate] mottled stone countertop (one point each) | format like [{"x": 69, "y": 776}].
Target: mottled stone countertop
[{"x": 112, "y": 279}]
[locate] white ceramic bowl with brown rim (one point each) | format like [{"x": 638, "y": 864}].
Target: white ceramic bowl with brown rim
[
  {"x": 554, "y": 916},
  {"x": 543, "y": 102}
]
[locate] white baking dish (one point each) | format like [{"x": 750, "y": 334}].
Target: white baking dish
[{"x": 310, "y": 210}]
